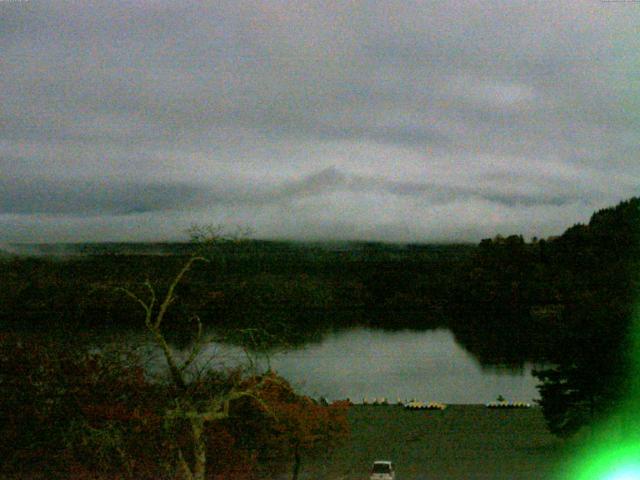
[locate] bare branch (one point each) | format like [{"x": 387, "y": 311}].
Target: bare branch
[
  {"x": 152, "y": 302},
  {"x": 184, "y": 466},
  {"x": 174, "y": 370},
  {"x": 169, "y": 297},
  {"x": 130, "y": 294},
  {"x": 187, "y": 406},
  {"x": 197, "y": 348}
]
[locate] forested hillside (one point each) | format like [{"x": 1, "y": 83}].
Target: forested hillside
[{"x": 506, "y": 300}]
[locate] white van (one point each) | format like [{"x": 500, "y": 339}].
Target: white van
[{"x": 383, "y": 470}]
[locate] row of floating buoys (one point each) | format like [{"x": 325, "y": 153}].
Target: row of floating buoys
[
  {"x": 506, "y": 405},
  {"x": 409, "y": 405},
  {"x": 418, "y": 405}
]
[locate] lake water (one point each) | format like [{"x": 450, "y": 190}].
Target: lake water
[{"x": 369, "y": 363}]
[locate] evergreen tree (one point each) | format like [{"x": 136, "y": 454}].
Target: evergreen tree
[{"x": 597, "y": 281}]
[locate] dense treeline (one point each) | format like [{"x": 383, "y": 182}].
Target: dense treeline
[
  {"x": 566, "y": 301},
  {"x": 593, "y": 352},
  {"x": 531, "y": 300},
  {"x": 506, "y": 300},
  {"x": 281, "y": 287}
]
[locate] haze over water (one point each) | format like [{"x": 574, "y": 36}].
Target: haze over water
[
  {"x": 362, "y": 363},
  {"x": 426, "y": 365}
]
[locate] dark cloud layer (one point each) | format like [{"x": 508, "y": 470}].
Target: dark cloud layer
[
  {"x": 71, "y": 197},
  {"x": 89, "y": 197},
  {"x": 390, "y": 120}
]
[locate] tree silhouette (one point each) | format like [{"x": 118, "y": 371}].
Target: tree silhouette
[{"x": 590, "y": 361}]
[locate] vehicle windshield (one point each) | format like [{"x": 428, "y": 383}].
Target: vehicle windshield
[{"x": 381, "y": 468}]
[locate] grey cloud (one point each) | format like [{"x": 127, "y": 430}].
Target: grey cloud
[
  {"x": 110, "y": 196},
  {"x": 43, "y": 196},
  {"x": 331, "y": 179},
  {"x": 152, "y": 91}
]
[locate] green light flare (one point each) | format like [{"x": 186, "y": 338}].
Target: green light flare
[
  {"x": 613, "y": 451},
  {"x": 630, "y": 473},
  {"x": 609, "y": 462}
]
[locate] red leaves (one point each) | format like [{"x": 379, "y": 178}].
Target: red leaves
[
  {"x": 90, "y": 415},
  {"x": 66, "y": 409},
  {"x": 289, "y": 422},
  {"x": 227, "y": 459}
]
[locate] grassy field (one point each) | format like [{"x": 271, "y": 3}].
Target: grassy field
[{"x": 461, "y": 442}]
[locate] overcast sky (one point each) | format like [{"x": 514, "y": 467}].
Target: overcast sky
[{"x": 379, "y": 120}]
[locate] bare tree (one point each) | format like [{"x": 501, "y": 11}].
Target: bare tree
[{"x": 197, "y": 412}]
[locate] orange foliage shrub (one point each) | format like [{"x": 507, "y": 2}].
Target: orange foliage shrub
[
  {"x": 69, "y": 413},
  {"x": 281, "y": 427}
]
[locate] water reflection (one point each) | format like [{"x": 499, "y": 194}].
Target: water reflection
[
  {"x": 367, "y": 363},
  {"x": 428, "y": 365}
]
